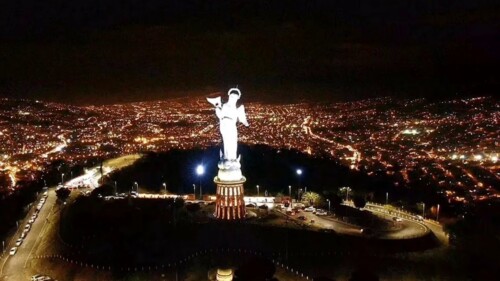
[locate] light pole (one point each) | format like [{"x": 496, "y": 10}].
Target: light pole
[
  {"x": 437, "y": 214},
  {"x": 62, "y": 178},
  {"x": 290, "y": 194},
  {"x": 165, "y": 187},
  {"x": 346, "y": 189},
  {"x": 194, "y": 191},
  {"x": 3, "y": 245},
  {"x": 200, "y": 170},
  {"x": 257, "y": 190},
  {"x": 136, "y": 187},
  {"x": 387, "y": 198},
  {"x": 328, "y": 200},
  {"x": 423, "y": 209},
  {"x": 299, "y": 174},
  {"x": 116, "y": 189}
]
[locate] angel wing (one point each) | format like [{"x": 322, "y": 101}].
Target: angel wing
[
  {"x": 215, "y": 101},
  {"x": 242, "y": 117}
]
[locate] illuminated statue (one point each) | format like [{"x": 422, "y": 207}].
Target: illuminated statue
[
  {"x": 229, "y": 115},
  {"x": 229, "y": 202}
]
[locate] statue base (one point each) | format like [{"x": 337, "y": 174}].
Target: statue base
[{"x": 229, "y": 203}]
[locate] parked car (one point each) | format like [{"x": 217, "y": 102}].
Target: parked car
[
  {"x": 27, "y": 227},
  {"x": 23, "y": 234},
  {"x": 299, "y": 205},
  {"x": 419, "y": 218},
  {"x": 35, "y": 277},
  {"x": 310, "y": 209},
  {"x": 40, "y": 277},
  {"x": 31, "y": 220},
  {"x": 397, "y": 219},
  {"x": 320, "y": 212},
  {"x": 19, "y": 242},
  {"x": 13, "y": 251}
]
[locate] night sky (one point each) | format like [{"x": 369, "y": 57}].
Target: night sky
[{"x": 101, "y": 51}]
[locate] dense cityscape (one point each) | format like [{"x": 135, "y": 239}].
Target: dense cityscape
[{"x": 451, "y": 144}]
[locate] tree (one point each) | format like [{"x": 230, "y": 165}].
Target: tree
[
  {"x": 179, "y": 203},
  {"x": 63, "y": 193},
  {"x": 103, "y": 190},
  {"x": 335, "y": 200},
  {"x": 312, "y": 198},
  {"x": 193, "y": 208},
  {"x": 359, "y": 202}
]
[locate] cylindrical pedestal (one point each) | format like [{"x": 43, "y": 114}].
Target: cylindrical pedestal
[{"x": 229, "y": 203}]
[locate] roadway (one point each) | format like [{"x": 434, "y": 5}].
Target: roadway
[
  {"x": 16, "y": 267},
  {"x": 405, "y": 229},
  {"x": 327, "y": 222},
  {"x": 431, "y": 225}
]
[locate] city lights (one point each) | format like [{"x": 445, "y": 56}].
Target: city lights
[{"x": 359, "y": 135}]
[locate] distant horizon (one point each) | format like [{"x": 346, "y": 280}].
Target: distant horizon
[{"x": 249, "y": 99}]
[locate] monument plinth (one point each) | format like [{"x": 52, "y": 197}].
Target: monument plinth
[{"x": 229, "y": 204}]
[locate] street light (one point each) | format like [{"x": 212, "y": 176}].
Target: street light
[
  {"x": 423, "y": 209},
  {"x": 200, "y": 170},
  {"x": 290, "y": 194},
  {"x": 62, "y": 178},
  {"x": 437, "y": 214},
  {"x": 299, "y": 173},
  {"x": 165, "y": 186},
  {"x": 194, "y": 191},
  {"x": 346, "y": 189},
  {"x": 257, "y": 190},
  {"x": 387, "y": 198},
  {"x": 328, "y": 200}
]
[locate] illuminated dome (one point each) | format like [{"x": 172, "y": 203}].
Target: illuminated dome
[{"x": 224, "y": 274}]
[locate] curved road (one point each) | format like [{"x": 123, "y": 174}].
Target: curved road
[
  {"x": 15, "y": 267},
  {"x": 408, "y": 228},
  {"x": 433, "y": 226}
]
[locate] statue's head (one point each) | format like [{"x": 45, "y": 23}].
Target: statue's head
[{"x": 234, "y": 92}]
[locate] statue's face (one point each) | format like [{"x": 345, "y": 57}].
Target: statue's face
[{"x": 233, "y": 98}]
